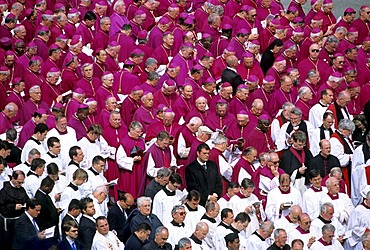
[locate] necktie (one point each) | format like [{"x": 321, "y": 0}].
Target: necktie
[
  {"x": 35, "y": 225},
  {"x": 205, "y": 167},
  {"x": 74, "y": 246}
]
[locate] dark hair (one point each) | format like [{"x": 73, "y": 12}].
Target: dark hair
[
  {"x": 74, "y": 204},
  {"x": 233, "y": 185},
  {"x": 73, "y": 151},
  {"x": 47, "y": 182},
  {"x": 276, "y": 42},
  {"x": 32, "y": 203},
  {"x": 175, "y": 178},
  {"x": 100, "y": 218},
  {"x": 17, "y": 173},
  {"x": 68, "y": 225},
  {"x": 231, "y": 237},
  {"x": 51, "y": 141},
  {"x": 313, "y": 173},
  {"x": 193, "y": 195},
  {"x": 52, "y": 168},
  {"x": 242, "y": 217},
  {"x": 37, "y": 163},
  {"x": 163, "y": 135},
  {"x": 41, "y": 128},
  {"x": 297, "y": 240},
  {"x": 90, "y": 16},
  {"x": 202, "y": 146},
  {"x": 84, "y": 202},
  {"x": 225, "y": 212},
  {"x": 97, "y": 159},
  {"x": 143, "y": 227}
]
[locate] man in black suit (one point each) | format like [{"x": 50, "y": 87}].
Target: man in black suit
[
  {"x": 15, "y": 152},
  {"x": 118, "y": 214},
  {"x": 203, "y": 175},
  {"x": 138, "y": 239},
  {"x": 49, "y": 215},
  {"x": 70, "y": 242},
  {"x": 87, "y": 227},
  {"x": 230, "y": 74},
  {"x": 27, "y": 234},
  {"x": 160, "y": 240},
  {"x": 73, "y": 212}
]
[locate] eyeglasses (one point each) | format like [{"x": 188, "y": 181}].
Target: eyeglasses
[
  {"x": 164, "y": 238},
  {"x": 275, "y": 162},
  {"x": 182, "y": 213},
  {"x": 74, "y": 231},
  {"x": 315, "y": 50},
  {"x": 254, "y": 15},
  {"x": 341, "y": 62},
  {"x": 368, "y": 12},
  {"x": 306, "y": 223}
]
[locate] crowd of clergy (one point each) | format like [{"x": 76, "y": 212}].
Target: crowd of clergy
[{"x": 187, "y": 124}]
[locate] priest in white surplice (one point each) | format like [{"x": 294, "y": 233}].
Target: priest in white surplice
[
  {"x": 67, "y": 137},
  {"x": 290, "y": 221},
  {"x": 342, "y": 203},
  {"x": 77, "y": 157},
  {"x": 197, "y": 238},
  {"x": 318, "y": 110},
  {"x": 303, "y": 232},
  {"x": 327, "y": 241},
  {"x": 95, "y": 175},
  {"x": 362, "y": 153},
  {"x": 53, "y": 153},
  {"x": 105, "y": 239},
  {"x": 33, "y": 178},
  {"x": 360, "y": 182},
  {"x": 322, "y": 132},
  {"x": 177, "y": 226},
  {"x": 246, "y": 201},
  {"x": 26, "y": 165},
  {"x": 232, "y": 189},
  {"x": 260, "y": 238},
  {"x": 281, "y": 198},
  {"x": 193, "y": 210},
  {"x": 39, "y": 135},
  {"x": 99, "y": 196},
  {"x": 359, "y": 223},
  {"x": 212, "y": 211}
]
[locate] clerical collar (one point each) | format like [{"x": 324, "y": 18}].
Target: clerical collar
[
  {"x": 60, "y": 132},
  {"x": 175, "y": 224},
  {"x": 191, "y": 209},
  {"x": 32, "y": 173},
  {"x": 73, "y": 186},
  {"x": 324, "y": 242},
  {"x": 222, "y": 224},
  {"x": 365, "y": 205},
  {"x": 196, "y": 240},
  {"x": 323, "y": 220},
  {"x": 333, "y": 196},
  {"x": 94, "y": 171},
  {"x": 234, "y": 229},
  {"x": 206, "y": 217},
  {"x": 90, "y": 139},
  {"x": 259, "y": 236},
  {"x": 72, "y": 162},
  {"x": 284, "y": 192},
  {"x": 302, "y": 231},
  {"x": 27, "y": 164},
  {"x": 226, "y": 197},
  {"x": 315, "y": 189},
  {"x": 168, "y": 191},
  {"x": 288, "y": 219},
  {"x": 35, "y": 140},
  {"x": 51, "y": 155},
  {"x": 240, "y": 195}
]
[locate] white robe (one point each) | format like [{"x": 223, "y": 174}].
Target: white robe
[
  {"x": 182, "y": 150},
  {"x": 285, "y": 224},
  {"x": 342, "y": 206},
  {"x": 90, "y": 150},
  {"x": 101, "y": 209},
  {"x": 225, "y": 168},
  {"x": 255, "y": 243},
  {"x": 315, "y": 115},
  {"x": 281, "y": 139},
  {"x": 358, "y": 222},
  {"x": 151, "y": 170},
  {"x": 30, "y": 144},
  {"x": 311, "y": 201},
  {"x": 317, "y": 225},
  {"x": 108, "y": 241},
  {"x": 32, "y": 184},
  {"x": 67, "y": 141},
  {"x": 337, "y": 150},
  {"x": 211, "y": 231},
  {"x": 23, "y": 167},
  {"x": 359, "y": 184},
  {"x": 176, "y": 233},
  {"x": 275, "y": 198},
  {"x": 295, "y": 234},
  {"x": 358, "y": 157},
  {"x": 71, "y": 168},
  {"x": 315, "y": 140},
  {"x": 193, "y": 217},
  {"x": 202, "y": 246},
  {"x": 275, "y": 129},
  {"x": 69, "y": 194},
  {"x": 266, "y": 184},
  {"x": 58, "y": 160},
  {"x": 163, "y": 204},
  {"x": 335, "y": 245},
  {"x": 59, "y": 187}
]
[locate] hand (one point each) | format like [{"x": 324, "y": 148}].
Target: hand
[
  {"x": 59, "y": 98},
  {"x": 212, "y": 198},
  {"x": 282, "y": 207},
  {"x": 248, "y": 209},
  {"x": 41, "y": 235},
  {"x": 253, "y": 37},
  {"x": 57, "y": 196},
  {"x": 18, "y": 206},
  {"x": 137, "y": 158},
  {"x": 274, "y": 171},
  {"x": 340, "y": 238},
  {"x": 302, "y": 169},
  {"x": 311, "y": 241}
]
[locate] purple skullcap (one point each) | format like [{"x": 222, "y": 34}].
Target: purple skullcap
[
  {"x": 168, "y": 111},
  {"x": 54, "y": 46},
  {"x": 269, "y": 78},
  {"x": 298, "y": 30},
  {"x": 59, "y": 6},
  {"x": 73, "y": 11},
  {"x": 227, "y": 26},
  {"x": 255, "y": 42},
  {"x": 136, "y": 88},
  {"x": 317, "y": 18},
  {"x": 39, "y": 1},
  {"x": 275, "y": 22},
  {"x": 225, "y": 85},
  {"x": 48, "y": 12},
  {"x": 327, "y": 1},
  {"x": 242, "y": 86},
  {"x": 349, "y": 10},
  {"x": 364, "y": 6},
  {"x": 242, "y": 112},
  {"x": 292, "y": 8},
  {"x": 4, "y": 69},
  {"x": 36, "y": 58},
  {"x": 160, "y": 106},
  {"x": 242, "y": 31},
  {"x": 352, "y": 30},
  {"x": 11, "y": 15},
  {"x": 75, "y": 39},
  {"x": 102, "y": 3},
  {"x": 17, "y": 80},
  {"x": 19, "y": 41},
  {"x": 147, "y": 93},
  {"x": 198, "y": 67},
  {"x": 83, "y": 106},
  {"x": 139, "y": 12},
  {"x": 113, "y": 44},
  {"x": 281, "y": 27},
  {"x": 2, "y": 2},
  {"x": 9, "y": 53},
  {"x": 106, "y": 73},
  {"x": 188, "y": 44},
  {"x": 183, "y": 15},
  {"x": 264, "y": 117},
  {"x": 279, "y": 59},
  {"x": 351, "y": 46},
  {"x": 298, "y": 20},
  {"x": 349, "y": 68},
  {"x": 28, "y": 12},
  {"x": 337, "y": 55},
  {"x": 353, "y": 85},
  {"x": 230, "y": 49},
  {"x": 137, "y": 52},
  {"x": 6, "y": 41},
  {"x": 44, "y": 28},
  {"x": 336, "y": 74},
  {"x": 174, "y": 5},
  {"x": 315, "y": 31},
  {"x": 246, "y": 8},
  {"x": 367, "y": 39},
  {"x": 58, "y": 105},
  {"x": 142, "y": 34},
  {"x": 129, "y": 62},
  {"x": 208, "y": 54},
  {"x": 69, "y": 58},
  {"x": 205, "y": 35},
  {"x": 53, "y": 70},
  {"x": 209, "y": 80},
  {"x": 313, "y": 2},
  {"x": 289, "y": 44},
  {"x": 42, "y": 111},
  {"x": 221, "y": 101},
  {"x": 62, "y": 37},
  {"x": 170, "y": 83},
  {"x": 252, "y": 78},
  {"x": 247, "y": 54},
  {"x": 192, "y": 17},
  {"x": 173, "y": 65},
  {"x": 188, "y": 21},
  {"x": 79, "y": 91},
  {"x": 290, "y": 70},
  {"x": 90, "y": 100}
]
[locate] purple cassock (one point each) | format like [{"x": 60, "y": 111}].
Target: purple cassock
[
  {"x": 236, "y": 131},
  {"x": 70, "y": 30},
  {"x": 99, "y": 69},
  {"x": 50, "y": 93},
  {"x": 298, "y": 6},
  {"x": 363, "y": 29},
  {"x": 5, "y": 32},
  {"x": 342, "y": 23},
  {"x": 161, "y": 54},
  {"x": 323, "y": 87},
  {"x": 213, "y": 121},
  {"x": 362, "y": 56},
  {"x": 100, "y": 40},
  {"x": 89, "y": 86},
  {"x": 29, "y": 109},
  {"x": 307, "y": 64},
  {"x": 276, "y": 7},
  {"x": 363, "y": 97},
  {"x": 239, "y": 48},
  {"x": 130, "y": 180},
  {"x": 55, "y": 31},
  {"x": 136, "y": 28},
  {"x": 185, "y": 65},
  {"x": 237, "y": 105},
  {"x": 117, "y": 21},
  {"x": 102, "y": 93},
  {"x": 3, "y": 96},
  {"x": 309, "y": 16},
  {"x": 214, "y": 155},
  {"x": 124, "y": 81},
  {"x": 193, "y": 151},
  {"x": 196, "y": 113},
  {"x": 265, "y": 143},
  {"x": 86, "y": 33},
  {"x": 31, "y": 79},
  {"x": 130, "y": 107},
  {"x": 80, "y": 127},
  {"x": 69, "y": 79},
  {"x": 48, "y": 64},
  {"x": 218, "y": 66},
  {"x": 50, "y": 122},
  {"x": 146, "y": 87},
  {"x": 42, "y": 48},
  {"x": 266, "y": 172},
  {"x": 30, "y": 27},
  {"x": 304, "y": 52},
  {"x": 278, "y": 98},
  {"x": 82, "y": 9},
  {"x": 218, "y": 46},
  {"x": 155, "y": 37},
  {"x": 181, "y": 107},
  {"x": 245, "y": 72},
  {"x": 215, "y": 99},
  {"x": 71, "y": 107},
  {"x": 242, "y": 164},
  {"x": 202, "y": 19},
  {"x": 231, "y": 8},
  {"x": 127, "y": 45},
  {"x": 131, "y": 9},
  {"x": 103, "y": 118},
  {"x": 245, "y": 24},
  {"x": 343, "y": 46},
  {"x": 158, "y": 126},
  {"x": 177, "y": 34},
  {"x": 215, "y": 33},
  {"x": 19, "y": 101},
  {"x": 150, "y": 18},
  {"x": 112, "y": 64},
  {"x": 26, "y": 132},
  {"x": 327, "y": 20},
  {"x": 324, "y": 76},
  {"x": 259, "y": 93},
  {"x": 82, "y": 57},
  {"x": 5, "y": 123},
  {"x": 276, "y": 75},
  {"x": 264, "y": 38},
  {"x": 364, "y": 77},
  {"x": 21, "y": 64},
  {"x": 160, "y": 98},
  {"x": 145, "y": 116}
]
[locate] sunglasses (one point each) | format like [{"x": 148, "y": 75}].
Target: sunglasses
[
  {"x": 315, "y": 50},
  {"x": 182, "y": 213}
]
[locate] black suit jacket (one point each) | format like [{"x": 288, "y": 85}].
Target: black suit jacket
[
  {"x": 205, "y": 182},
  {"x": 66, "y": 218},
  {"x": 49, "y": 215},
  {"x": 64, "y": 245},
  {"x": 25, "y": 234},
  {"x": 86, "y": 232},
  {"x": 117, "y": 220},
  {"x": 231, "y": 77}
]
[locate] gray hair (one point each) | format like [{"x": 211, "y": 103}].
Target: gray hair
[
  {"x": 324, "y": 207},
  {"x": 296, "y": 111},
  {"x": 106, "y": 76},
  {"x": 264, "y": 157},
  {"x": 163, "y": 172},
  {"x": 346, "y": 124},
  {"x": 210, "y": 206},
  {"x": 213, "y": 17},
  {"x": 150, "y": 61},
  {"x": 303, "y": 90},
  {"x": 160, "y": 229},
  {"x": 10, "y": 107},
  {"x": 11, "y": 134},
  {"x": 311, "y": 73},
  {"x": 247, "y": 183},
  {"x": 219, "y": 10},
  {"x": 176, "y": 208},
  {"x": 328, "y": 228},
  {"x": 220, "y": 139},
  {"x": 61, "y": 17},
  {"x": 153, "y": 76},
  {"x": 34, "y": 88},
  {"x": 33, "y": 152},
  {"x": 332, "y": 39},
  {"x": 117, "y": 4},
  {"x": 287, "y": 106},
  {"x": 183, "y": 242},
  {"x": 135, "y": 124},
  {"x": 335, "y": 170},
  {"x": 141, "y": 200},
  {"x": 51, "y": 74},
  {"x": 195, "y": 121},
  {"x": 267, "y": 226},
  {"x": 104, "y": 19},
  {"x": 277, "y": 232}
]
